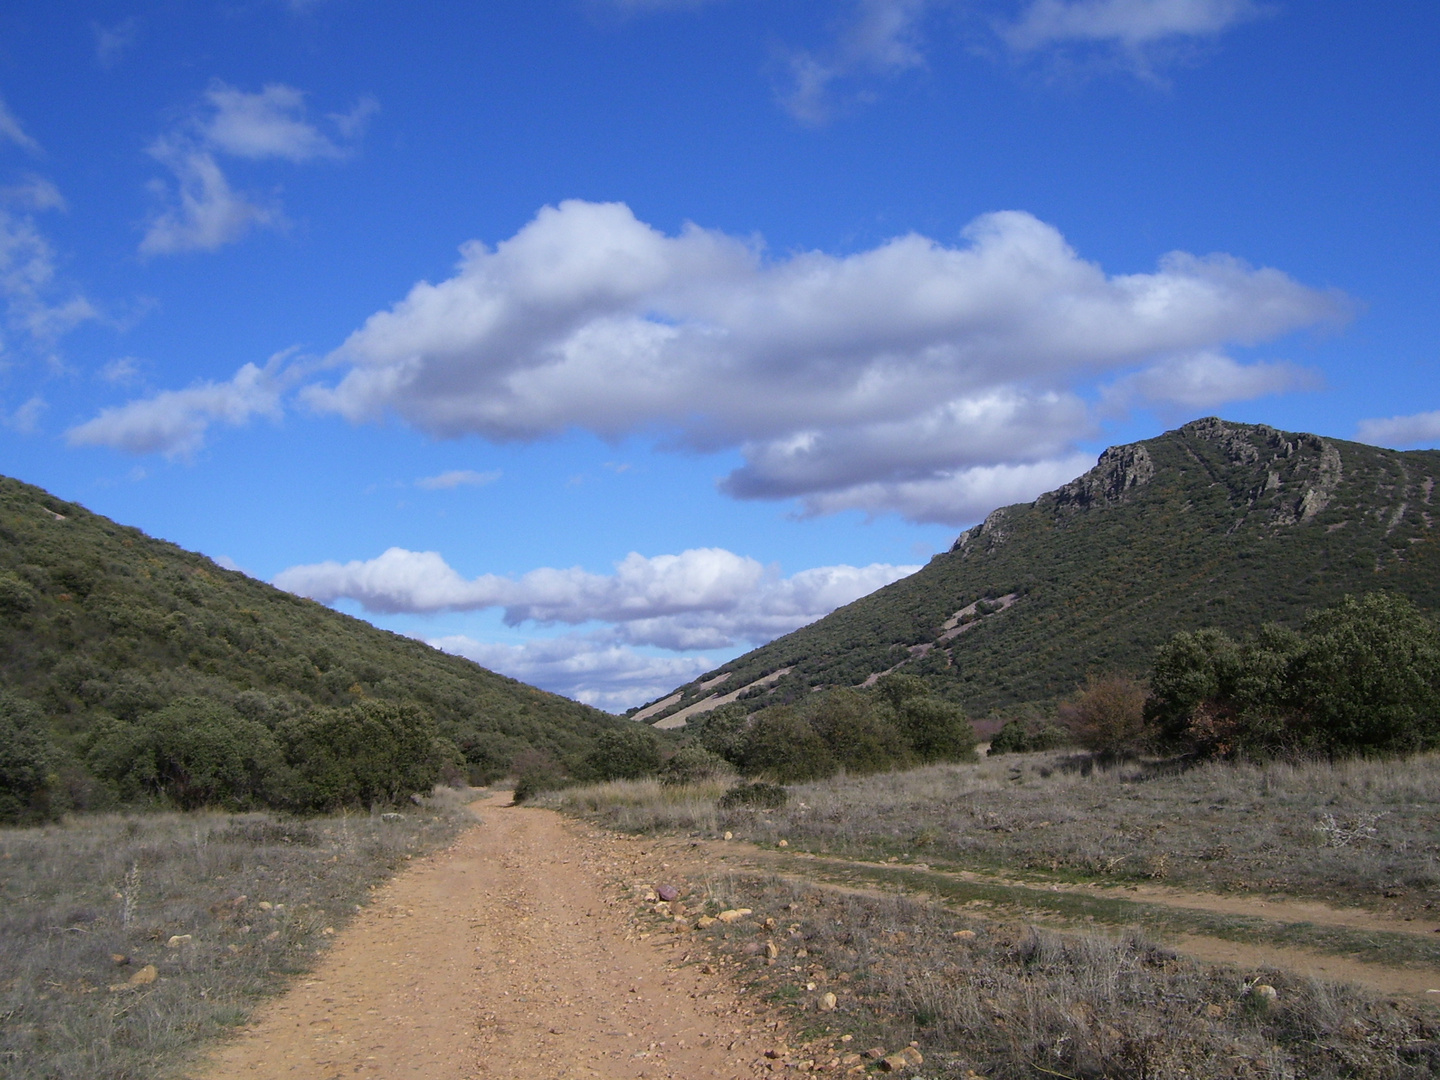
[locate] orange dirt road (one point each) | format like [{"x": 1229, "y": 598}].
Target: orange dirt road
[{"x": 510, "y": 954}]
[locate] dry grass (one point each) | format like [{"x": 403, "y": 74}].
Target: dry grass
[
  {"x": 255, "y": 893},
  {"x": 1011, "y": 1002},
  {"x": 644, "y": 805},
  {"x": 1365, "y": 831}
]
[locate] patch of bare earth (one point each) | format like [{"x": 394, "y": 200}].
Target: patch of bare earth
[{"x": 512, "y": 953}]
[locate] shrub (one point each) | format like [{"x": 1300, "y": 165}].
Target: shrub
[
  {"x": 1107, "y": 715},
  {"x": 937, "y": 730},
  {"x": 367, "y": 754},
  {"x": 782, "y": 745},
  {"x": 28, "y": 763},
  {"x": 756, "y": 796},
  {"x": 694, "y": 765},
  {"x": 1360, "y": 676},
  {"x": 721, "y": 731},
  {"x": 536, "y": 771},
  {"x": 1010, "y": 739},
  {"x": 1367, "y": 677},
  {"x": 859, "y": 731},
  {"x": 193, "y": 753},
  {"x": 626, "y": 753}
]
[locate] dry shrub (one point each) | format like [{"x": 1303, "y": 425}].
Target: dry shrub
[
  {"x": 1107, "y": 715},
  {"x": 1012, "y": 1002}
]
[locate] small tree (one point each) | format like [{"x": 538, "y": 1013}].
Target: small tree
[
  {"x": 782, "y": 745},
  {"x": 626, "y": 753},
  {"x": 28, "y": 761},
  {"x": 937, "y": 730},
  {"x": 859, "y": 730},
  {"x": 1107, "y": 715}
]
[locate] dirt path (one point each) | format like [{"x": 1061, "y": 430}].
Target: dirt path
[{"x": 508, "y": 955}]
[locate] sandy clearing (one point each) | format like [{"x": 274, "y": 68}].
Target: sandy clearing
[{"x": 510, "y": 954}]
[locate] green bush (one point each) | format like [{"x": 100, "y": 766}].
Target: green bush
[
  {"x": 756, "y": 796},
  {"x": 1361, "y": 676},
  {"x": 721, "y": 731},
  {"x": 373, "y": 753},
  {"x": 625, "y": 753},
  {"x": 193, "y": 753},
  {"x": 782, "y": 745},
  {"x": 536, "y": 771},
  {"x": 693, "y": 765},
  {"x": 937, "y": 730},
  {"x": 859, "y": 730},
  {"x": 29, "y": 782},
  {"x": 1010, "y": 739}
]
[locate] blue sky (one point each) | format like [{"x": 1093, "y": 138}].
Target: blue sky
[{"x": 601, "y": 340}]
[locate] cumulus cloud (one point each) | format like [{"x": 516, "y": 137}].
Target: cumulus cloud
[
  {"x": 855, "y": 377},
  {"x": 1418, "y": 429},
  {"x": 174, "y": 422},
  {"x": 1203, "y": 380},
  {"x": 458, "y": 478},
  {"x": 881, "y": 37},
  {"x": 589, "y": 669},
  {"x": 701, "y": 598},
  {"x": 201, "y": 211},
  {"x": 1135, "y": 28}
]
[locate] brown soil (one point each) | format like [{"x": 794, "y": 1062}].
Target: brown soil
[{"x": 511, "y": 954}]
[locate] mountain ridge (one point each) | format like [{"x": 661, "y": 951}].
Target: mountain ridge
[{"x": 1213, "y": 523}]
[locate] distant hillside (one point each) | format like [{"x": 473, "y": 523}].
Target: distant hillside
[
  {"x": 1214, "y": 524},
  {"x": 97, "y": 619}
]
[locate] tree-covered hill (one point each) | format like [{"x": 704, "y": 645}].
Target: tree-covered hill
[
  {"x": 1214, "y": 524},
  {"x": 101, "y": 623}
]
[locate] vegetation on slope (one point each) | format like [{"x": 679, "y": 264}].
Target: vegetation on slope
[
  {"x": 1214, "y": 524},
  {"x": 131, "y": 648}
]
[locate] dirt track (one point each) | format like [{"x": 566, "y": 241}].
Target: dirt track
[{"x": 508, "y": 955}]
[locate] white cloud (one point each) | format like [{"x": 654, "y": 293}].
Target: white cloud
[
  {"x": 589, "y": 669},
  {"x": 203, "y": 212},
  {"x": 1419, "y": 429},
  {"x": 174, "y": 422},
  {"x": 38, "y": 309},
  {"x": 701, "y": 598},
  {"x": 122, "y": 371},
  {"x": 881, "y": 37},
  {"x": 111, "y": 42},
  {"x": 11, "y": 131},
  {"x": 1133, "y": 27},
  {"x": 958, "y": 497},
  {"x": 854, "y": 377},
  {"x": 267, "y": 124},
  {"x": 26, "y": 419},
  {"x": 34, "y": 193},
  {"x": 458, "y": 478},
  {"x": 1204, "y": 380}
]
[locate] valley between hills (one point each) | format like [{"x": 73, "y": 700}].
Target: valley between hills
[{"x": 244, "y": 836}]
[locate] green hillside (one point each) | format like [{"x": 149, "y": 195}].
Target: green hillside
[
  {"x": 1214, "y": 524},
  {"x": 100, "y": 621}
]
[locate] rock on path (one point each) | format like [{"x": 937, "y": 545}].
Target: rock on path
[{"x": 507, "y": 955}]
